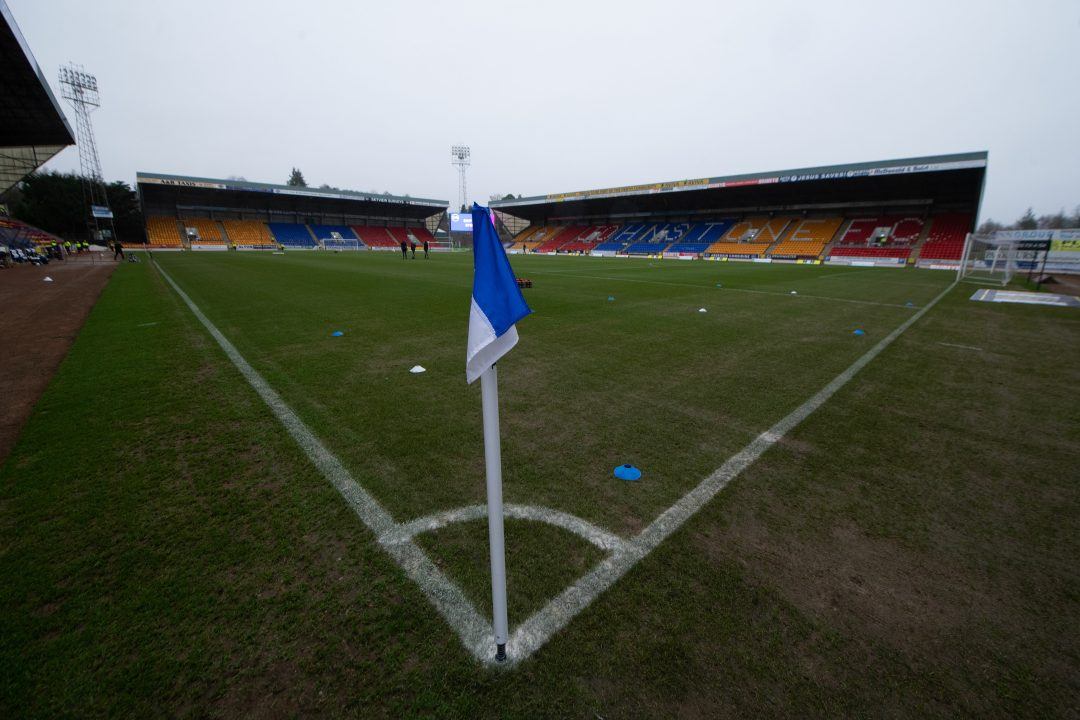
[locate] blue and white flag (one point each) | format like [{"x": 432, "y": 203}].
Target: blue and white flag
[{"x": 497, "y": 302}]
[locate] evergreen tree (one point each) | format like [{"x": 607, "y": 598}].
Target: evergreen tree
[{"x": 296, "y": 178}]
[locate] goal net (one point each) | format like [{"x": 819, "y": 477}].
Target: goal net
[
  {"x": 341, "y": 244},
  {"x": 988, "y": 259}
]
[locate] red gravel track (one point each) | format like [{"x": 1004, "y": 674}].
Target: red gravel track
[{"x": 38, "y": 323}]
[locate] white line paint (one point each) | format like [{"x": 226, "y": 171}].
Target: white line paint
[
  {"x": 528, "y": 637},
  {"x": 597, "y": 536},
  {"x": 962, "y": 347},
  {"x": 474, "y": 631}
]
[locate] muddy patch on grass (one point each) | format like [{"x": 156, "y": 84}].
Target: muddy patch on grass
[{"x": 848, "y": 578}]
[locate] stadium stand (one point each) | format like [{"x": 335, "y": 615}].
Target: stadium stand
[
  {"x": 750, "y": 237},
  {"x": 560, "y": 238},
  {"x": 890, "y": 236},
  {"x": 422, "y": 234},
  {"x": 15, "y": 232},
  {"x": 533, "y": 237},
  {"x": 889, "y": 229},
  {"x": 326, "y": 232},
  {"x": 209, "y": 230},
  {"x": 399, "y": 233},
  {"x": 808, "y": 238},
  {"x": 248, "y": 233},
  {"x": 593, "y": 236},
  {"x": 698, "y": 237},
  {"x": 376, "y": 238},
  {"x": 410, "y": 234},
  {"x": 866, "y": 251},
  {"x": 654, "y": 238},
  {"x": 292, "y": 235},
  {"x": 163, "y": 232},
  {"x": 622, "y": 237},
  {"x": 945, "y": 240}
]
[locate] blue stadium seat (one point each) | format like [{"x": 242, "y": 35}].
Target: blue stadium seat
[
  {"x": 693, "y": 248},
  {"x": 326, "y": 232},
  {"x": 646, "y": 248},
  {"x": 291, "y": 234},
  {"x": 624, "y": 236},
  {"x": 700, "y": 236}
]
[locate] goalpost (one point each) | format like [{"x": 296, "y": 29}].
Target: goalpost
[
  {"x": 988, "y": 259},
  {"x": 337, "y": 242}
]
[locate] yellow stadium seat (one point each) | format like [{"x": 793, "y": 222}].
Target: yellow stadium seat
[
  {"x": 751, "y": 236},
  {"x": 248, "y": 233},
  {"x": 807, "y": 238},
  {"x": 163, "y": 232},
  {"x": 209, "y": 230}
]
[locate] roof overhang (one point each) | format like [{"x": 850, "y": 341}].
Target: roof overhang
[
  {"x": 189, "y": 191},
  {"x": 32, "y": 126},
  {"x": 952, "y": 178}
]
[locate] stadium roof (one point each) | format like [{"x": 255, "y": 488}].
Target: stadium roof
[
  {"x": 32, "y": 126},
  {"x": 941, "y": 179},
  {"x": 208, "y": 193}
]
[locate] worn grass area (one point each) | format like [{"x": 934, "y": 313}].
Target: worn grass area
[{"x": 910, "y": 549}]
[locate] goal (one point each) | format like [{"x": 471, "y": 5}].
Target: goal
[
  {"x": 341, "y": 244},
  {"x": 988, "y": 259}
]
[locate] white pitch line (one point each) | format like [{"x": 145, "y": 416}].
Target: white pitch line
[
  {"x": 475, "y": 632},
  {"x": 962, "y": 347},
  {"x": 528, "y": 637},
  {"x": 596, "y": 535}
]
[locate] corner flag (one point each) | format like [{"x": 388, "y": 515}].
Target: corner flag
[
  {"x": 497, "y": 302},
  {"x": 496, "y": 305}
]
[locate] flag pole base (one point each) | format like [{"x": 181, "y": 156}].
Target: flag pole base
[{"x": 500, "y": 652}]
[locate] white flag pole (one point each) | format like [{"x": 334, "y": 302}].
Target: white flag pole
[{"x": 489, "y": 389}]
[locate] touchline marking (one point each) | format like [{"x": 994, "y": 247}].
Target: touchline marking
[
  {"x": 528, "y": 637},
  {"x": 476, "y": 632}
]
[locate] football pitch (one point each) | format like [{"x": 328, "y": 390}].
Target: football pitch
[{"x": 269, "y": 519}]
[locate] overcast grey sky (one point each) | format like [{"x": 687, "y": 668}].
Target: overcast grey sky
[{"x": 557, "y": 96}]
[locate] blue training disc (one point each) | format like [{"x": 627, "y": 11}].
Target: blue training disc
[
  {"x": 859, "y": 331},
  {"x": 627, "y": 472},
  {"x": 336, "y": 333}
]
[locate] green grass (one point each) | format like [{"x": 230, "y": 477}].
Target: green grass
[{"x": 909, "y": 549}]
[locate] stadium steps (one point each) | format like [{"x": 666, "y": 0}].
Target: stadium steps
[
  {"x": 837, "y": 236},
  {"x": 844, "y": 227},
  {"x": 916, "y": 248},
  {"x": 788, "y": 230}
]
